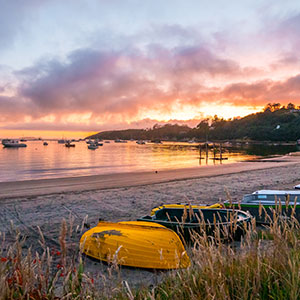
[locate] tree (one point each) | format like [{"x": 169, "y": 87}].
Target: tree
[{"x": 290, "y": 106}]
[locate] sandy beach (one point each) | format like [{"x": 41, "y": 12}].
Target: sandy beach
[{"x": 118, "y": 197}]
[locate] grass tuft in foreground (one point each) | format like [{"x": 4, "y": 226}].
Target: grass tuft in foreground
[{"x": 264, "y": 265}]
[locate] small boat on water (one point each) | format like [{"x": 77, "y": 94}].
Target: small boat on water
[
  {"x": 62, "y": 141},
  {"x": 263, "y": 203},
  {"x": 229, "y": 223},
  {"x": 140, "y": 142},
  {"x": 45, "y": 144},
  {"x": 185, "y": 205},
  {"x": 92, "y": 146},
  {"x": 9, "y": 143},
  {"x": 69, "y": 145},
  {"x": 135, "y": 244}
]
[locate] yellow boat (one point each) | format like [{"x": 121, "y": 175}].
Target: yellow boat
[
  {"x": 183, "y": 205},
  {"x": 135, "y": 244}
]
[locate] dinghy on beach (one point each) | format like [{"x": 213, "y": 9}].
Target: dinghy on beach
[
  {"x": 135, "y": 244},
  {"x": 262, "y": 204},
  {"x": 226, "y": 223}
]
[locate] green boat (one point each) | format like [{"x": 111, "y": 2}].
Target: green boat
[
  {"x": 229, "y": 224},
  {"x": 265, "y": 204}
]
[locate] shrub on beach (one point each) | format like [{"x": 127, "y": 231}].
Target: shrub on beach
[{"x": 264, "y": 265}]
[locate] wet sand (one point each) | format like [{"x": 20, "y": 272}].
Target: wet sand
[{"x": 129, "y": 196}]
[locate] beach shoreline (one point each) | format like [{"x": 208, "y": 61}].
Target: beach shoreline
[
  {"x": 80, "y": 203},
  {"x": 29, "y": 188}
]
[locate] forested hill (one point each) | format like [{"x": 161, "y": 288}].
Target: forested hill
[{"x": 275, "y": 123}]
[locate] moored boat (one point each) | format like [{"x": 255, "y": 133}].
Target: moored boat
[
  {"x": 45, "y": 144},
  {"x": 92, "y": 146},
  {"x": 9, "y": 143},
  {"x": 263, "y": 204},
  {"x": 226, "y": 223},
  {"x": 135, "y": 244},
  {"x": 69, "y": 145}
]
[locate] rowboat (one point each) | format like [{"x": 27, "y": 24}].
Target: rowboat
[
  {"x": 135, "y": 244},
  {"x": 185, "y": 205},
  {"x": 226, "y": 223},
  {"x": 264, "y": 204}
]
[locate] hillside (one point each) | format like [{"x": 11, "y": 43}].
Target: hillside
[{"x": 274, "y": 123}]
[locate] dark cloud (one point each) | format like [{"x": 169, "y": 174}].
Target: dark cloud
[
  {"x": 117, "y": 82},
  {"x": 261, "y": 92},
  {"x": 116, "y": 86}
]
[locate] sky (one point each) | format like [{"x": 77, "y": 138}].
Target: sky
[{"x": 92, "y": 65}]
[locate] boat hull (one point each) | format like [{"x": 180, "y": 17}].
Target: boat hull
[
  {"x": 135, "y": 244},
  {"x": 14, "y": 145},
  {"x": 224, "y": 223}
]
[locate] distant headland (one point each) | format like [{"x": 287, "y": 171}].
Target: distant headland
[{"x": 274, "y": 123}]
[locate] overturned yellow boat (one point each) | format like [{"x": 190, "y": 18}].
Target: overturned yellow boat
[
  {"x": 185, "y": 205},
  {"x": 135, "y": 244}
]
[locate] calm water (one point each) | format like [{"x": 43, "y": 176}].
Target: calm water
[{"x": 55, "y": 160}]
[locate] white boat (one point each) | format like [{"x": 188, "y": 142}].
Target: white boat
[
  {"x": 271, "y": 200},
  {"x": 12, "y": 143}
]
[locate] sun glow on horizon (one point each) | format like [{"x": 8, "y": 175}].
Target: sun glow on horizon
[
  {"x": 187, "y": 114},
  {"x": 44, "y": 134}
]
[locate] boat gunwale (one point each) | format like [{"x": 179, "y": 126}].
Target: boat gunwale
[{"x": 247, "y": 218}]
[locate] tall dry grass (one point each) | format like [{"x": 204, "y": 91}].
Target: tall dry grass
[{"x": 265, "y": 264}]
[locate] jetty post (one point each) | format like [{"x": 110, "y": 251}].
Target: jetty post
[{"x": 215, "y": 150}]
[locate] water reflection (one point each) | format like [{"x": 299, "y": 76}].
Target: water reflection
[{"x": 37, "y": 161}]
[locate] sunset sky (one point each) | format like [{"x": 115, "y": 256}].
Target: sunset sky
[{"x": 91, "y": 65}]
